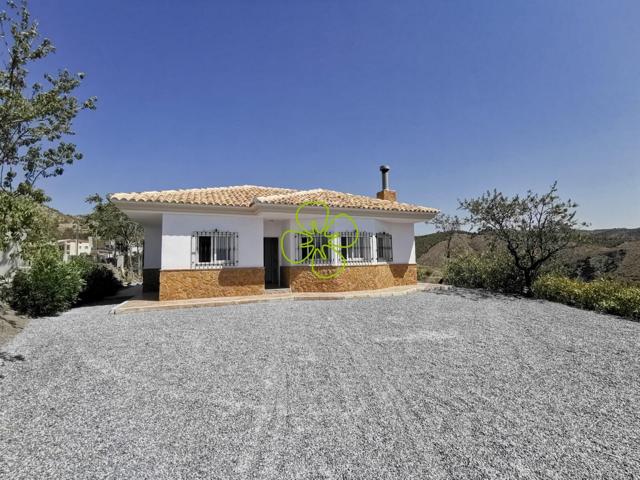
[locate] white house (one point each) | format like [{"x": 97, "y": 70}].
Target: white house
[
  {"x": 73, "y": 247},
  {"x": 226, "y": 241}
]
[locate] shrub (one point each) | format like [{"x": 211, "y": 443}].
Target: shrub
[
  {"x": 99, "y": 279},
  {"x": 466, "y": 271},
  {"x": 49, "y": 287},
  {"x": 558, "y": 288},
  {"x": 423, "y": 273},
  {"x": 492, "y": 271},
  {"x": 603, "y": 295}
]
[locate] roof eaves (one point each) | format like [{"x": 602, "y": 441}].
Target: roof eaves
[{"x": 268, "y": 198}]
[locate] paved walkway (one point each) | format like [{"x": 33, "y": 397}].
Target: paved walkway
[{"x": 148, "y": 303}]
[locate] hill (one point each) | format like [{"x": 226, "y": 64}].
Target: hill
[
  {"x": 58, "y": 216},
  {"x": 65, "y": 225},
  {"x": 612, "y": 252}
]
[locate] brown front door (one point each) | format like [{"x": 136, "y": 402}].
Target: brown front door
[{"x": 271, "y": 279}]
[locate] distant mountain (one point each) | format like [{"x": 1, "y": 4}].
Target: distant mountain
[
  {"x": 613, "y": 252},
  {"x": 613, "y": 236},
  {"x": 66, "y": 226},
  {"x": 60, "y": 217}
]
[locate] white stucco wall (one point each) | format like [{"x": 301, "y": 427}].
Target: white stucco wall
[
  {"x": 152, "y": 246},
  {"x": 273, "y": 228},
  {"x": 168, "y": 246},
  {"x": 177, "y": 229},
  {"x": 402, "y": 234},
  {"x": 404, "y": 245}
]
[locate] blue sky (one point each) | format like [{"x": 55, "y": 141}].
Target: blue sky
[{"x": 458, "y": 97}]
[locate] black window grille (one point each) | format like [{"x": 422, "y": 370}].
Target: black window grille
[
  {"x": 214, "y": 249},
  {"x": 356, "y": 250},
  {"x": 305, "y": 244},
  {"x": 384, "y": 247}
]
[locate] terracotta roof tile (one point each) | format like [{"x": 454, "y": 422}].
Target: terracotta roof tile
[
  {"x": 341, "y": 200},
  {"x": 239, "y": 196},
  {"x": 248, "y": 195}
]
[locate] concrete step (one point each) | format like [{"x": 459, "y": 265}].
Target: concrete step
[
  {"x": 271, "y": 295},
  {"x": 275, "y": 291}
]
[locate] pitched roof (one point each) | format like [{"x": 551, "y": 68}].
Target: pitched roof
[
  {"x": 341, "y": 200},
  {"x": 248, "y": 195},
  {"x": 239, "y": 196}
]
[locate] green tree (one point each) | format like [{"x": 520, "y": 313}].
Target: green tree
[
  {"x": 23, "y": 224},
  {"x": 49, "y": 287},
  {"x": 35, "y": 120},
  {"x": 449, "y": 225},
  {"x": 108, "y": 222},
  {"x": 533, "y": 228}
]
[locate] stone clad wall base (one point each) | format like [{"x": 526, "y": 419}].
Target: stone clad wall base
[
  {"x": 222, "y": 282},
  {"x": 355, "y": 277},
  {"x": 150, "y": 279}
]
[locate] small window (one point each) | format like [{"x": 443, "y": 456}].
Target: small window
[
  {"x": 204, "y": 248},
  {"x": 384, "y": 247},
  {"x": 223, "y": 252},
  {"x": 212, "y": 249},
  {"x": 355, "y": 251},
  {"x": 305, "y": 247}
]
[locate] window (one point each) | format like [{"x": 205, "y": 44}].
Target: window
[
  {"x": 214, "y": 249},
  {"x": 353, "y": 250},
  {"x": 204, "y": 248},
  {"x": 384, "y": 247},
  {"x": 305, "y": 245}
]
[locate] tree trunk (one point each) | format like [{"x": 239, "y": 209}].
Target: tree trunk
[
  {"x": 528, "y": 281},
  {"x": 128, "y": 264}
]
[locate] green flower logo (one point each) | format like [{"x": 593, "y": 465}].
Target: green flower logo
[{"x": 318, "y": 243}]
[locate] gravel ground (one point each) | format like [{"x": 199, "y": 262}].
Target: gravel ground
[{"x": 450, "y": 384}]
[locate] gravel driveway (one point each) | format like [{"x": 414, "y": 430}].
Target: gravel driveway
[{"x": 450, "y": 384}]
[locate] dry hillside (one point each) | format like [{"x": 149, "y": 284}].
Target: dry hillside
[
  {"x": 614, "y": 252},
  {"x": 65, "y": 226}
]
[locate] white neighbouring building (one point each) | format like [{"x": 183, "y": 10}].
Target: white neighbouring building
[
  {"x": 72, "y": 248},
  {"x": 225, "y": 241}
]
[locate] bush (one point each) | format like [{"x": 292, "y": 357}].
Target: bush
[
  {"x": 99, "y": 279},
  {"x": 557, "y": 288},
  {"x": 423, "y": 273},
  {"x": 492, "y": 271},
  {"x": 49, "y": 287},
  {"x": 603, "y": 295}
]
